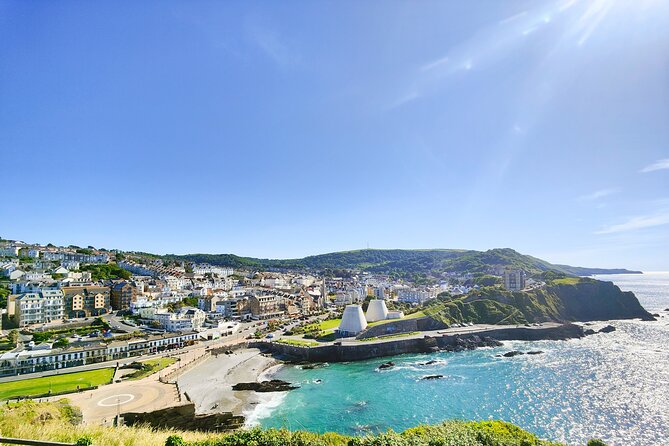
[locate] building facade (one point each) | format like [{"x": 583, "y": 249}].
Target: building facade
[{"x": 85, "y": 301}]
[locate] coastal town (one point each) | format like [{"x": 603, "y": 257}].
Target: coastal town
[
  {"x": 70, "y": 306},
  {"x": 137, "y": 338}
]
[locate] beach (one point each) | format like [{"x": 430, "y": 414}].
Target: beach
[{"x": 209, "y": 385}]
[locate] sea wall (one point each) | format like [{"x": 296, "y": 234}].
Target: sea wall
[{"x": 368, "y": 350}]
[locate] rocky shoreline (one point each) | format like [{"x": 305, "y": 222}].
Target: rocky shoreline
[{"x": 426, "y": 344}]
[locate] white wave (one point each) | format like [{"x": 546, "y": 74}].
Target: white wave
[{"x": 267, "y": 402}]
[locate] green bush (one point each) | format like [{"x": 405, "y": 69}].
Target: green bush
[
  {"x": 175, "y": 440},
  {"x": 596, "y": 442},
  {"x": 84, "y": 441}
]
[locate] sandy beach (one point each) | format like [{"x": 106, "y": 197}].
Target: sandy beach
[{"x": 209, "y": 385}]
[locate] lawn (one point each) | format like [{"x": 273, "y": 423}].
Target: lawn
[
  {"x": 298, "y": 343},
  {"x": 150, "y": 367},
  {"x": 329, "y": 324},
  {"x": 57, "y": 383},
  {"x": 393, "y": 336}
]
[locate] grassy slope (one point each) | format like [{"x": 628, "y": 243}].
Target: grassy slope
[
  {"x": 565, "y": 299},
  {"x": 150, "y": 367},
  {"x": 57, "y": 383},
  {"x": 58, "y": 422}
]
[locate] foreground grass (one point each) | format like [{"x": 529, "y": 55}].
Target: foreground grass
[
  {"x": 68, "y": 382},
  {"x": 150, "y": 367},
  {"x": 60, "y": 422}
]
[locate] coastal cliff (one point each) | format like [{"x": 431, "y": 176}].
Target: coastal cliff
[{"x": 561, "y": 300}]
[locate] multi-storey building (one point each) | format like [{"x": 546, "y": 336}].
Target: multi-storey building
[
  {"x": 76, "y": 257},
  {"x": 83, "y": 301},
  {"x": 265, "y": 307},
  {"x": 38, "y": 308},
  {"x": 122, "y": 295},
  {"x": 514, "y": 280},
  {"x": 234, "y": 308},
  {"x": 186, "y": 319}
]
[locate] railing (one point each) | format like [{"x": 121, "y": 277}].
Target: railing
[{"x": 33, "y": 442}]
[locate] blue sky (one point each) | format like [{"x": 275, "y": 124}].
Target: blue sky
[{"x": 283, "y": 129}]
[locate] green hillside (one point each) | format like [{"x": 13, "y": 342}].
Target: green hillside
[
  {"x": 567, "y": 299},
  {"x": 401, "y": 262}
]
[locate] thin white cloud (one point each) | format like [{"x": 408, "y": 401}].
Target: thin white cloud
[
  {"x": 598, "y": 194},
  {"x": 640, "y": 222},
  {"x": 272, "y": 45},
  {"x": 657, "y": 165}
]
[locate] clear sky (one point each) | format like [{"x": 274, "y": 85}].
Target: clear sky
[{"x": 283, "y": 129}]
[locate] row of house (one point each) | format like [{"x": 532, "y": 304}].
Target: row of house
[{"x": 44, "y": 357}]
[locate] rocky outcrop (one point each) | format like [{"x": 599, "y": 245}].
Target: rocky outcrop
[
  {"x": 274, "y": 385},
  {"x": 534, "y": 352},
  {"x": 184, "y": 418},
  {"x": 386, "y": 365},
  {"x": 470, "y": 342},
  {"x": 513, "y": 353},
  {"x": 433, "y": 377},
  {"x": 607, "y": 329}
]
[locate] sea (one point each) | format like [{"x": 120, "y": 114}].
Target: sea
[{"x": 613, "y": 386}]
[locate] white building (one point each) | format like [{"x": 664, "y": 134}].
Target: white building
[
  {"x": 377, "y": 310},
  {"x": 186, "y": 319},
  {"x": 415, "y": 296},
  {"x": 39, "y": 308},
  {"x": 352, "y": 322}
]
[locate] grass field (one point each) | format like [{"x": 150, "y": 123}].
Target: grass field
[
  {"x": 329, "y": 325},
  {"x": 150, "y": 367},
  {"x": 393, "y": 336},
  {"x": 298, "y": 342},
  {"x": 57, "y": 383}
]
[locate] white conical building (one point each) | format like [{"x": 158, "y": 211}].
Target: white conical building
[
  {"x": 377, "y": 310},
  {"x": 353, "y": 321}
]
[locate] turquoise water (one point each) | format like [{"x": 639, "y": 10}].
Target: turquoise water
[{"x": 613, "y": 386}]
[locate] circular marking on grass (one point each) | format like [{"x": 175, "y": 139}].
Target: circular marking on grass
[{"x": 116, "y": 400}]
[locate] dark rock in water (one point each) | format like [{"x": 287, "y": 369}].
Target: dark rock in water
[
  {"x": 666, "y": 309},
  {"x": 535, "y": 352},
  {"x": 512, "y": 354},
  {"x": 588, "y": 323},
  {"x": 607, "y": 329},
  {"x": 589, "y": 332},
  {"x": 433, "y": 377},
  {"x": 656, "y": 315},
  {"x": 431, "y": 362},
  {"x": 275, "y": 385},
  {"x": 308, "y": 367},
  {"x": 386, "y": 365}
]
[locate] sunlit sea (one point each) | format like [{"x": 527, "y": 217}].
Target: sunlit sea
[{"x": 613, "y": 386}]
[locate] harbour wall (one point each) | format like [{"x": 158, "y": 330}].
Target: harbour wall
[{"x": 367, "y": 350}]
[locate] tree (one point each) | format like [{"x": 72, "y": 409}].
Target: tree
[
  {"x": 61, "y": 343},
  {"x": 13, "y": 337}
]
